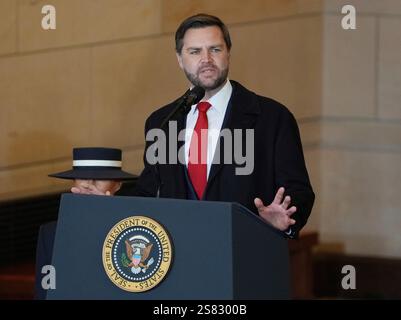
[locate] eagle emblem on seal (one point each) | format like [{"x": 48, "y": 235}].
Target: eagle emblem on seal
[{"x": 138, "y": 249}]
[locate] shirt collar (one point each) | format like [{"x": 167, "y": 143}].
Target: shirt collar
[{"x": 220, "y": 100}]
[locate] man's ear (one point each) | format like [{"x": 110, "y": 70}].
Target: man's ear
[{"x": 179, "y": 58}]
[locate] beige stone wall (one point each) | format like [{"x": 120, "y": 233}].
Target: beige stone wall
[
  {"x": 360, "y": 147},
  {"x": 109, "y": 64}
]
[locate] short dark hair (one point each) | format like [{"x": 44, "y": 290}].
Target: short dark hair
[{"x": 200, "y": 20}]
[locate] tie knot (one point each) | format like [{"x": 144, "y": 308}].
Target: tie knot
[{"x": 203, "y": 106}]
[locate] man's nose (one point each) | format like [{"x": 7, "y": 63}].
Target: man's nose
[{"x": 206, "y": 56}]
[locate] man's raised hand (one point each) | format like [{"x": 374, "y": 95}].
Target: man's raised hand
[{"x": 277, "y": 213}]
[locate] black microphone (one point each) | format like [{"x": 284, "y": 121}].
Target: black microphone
[
  {"x": 184, "y": 104},
  {"x": 194, "y": 96}
]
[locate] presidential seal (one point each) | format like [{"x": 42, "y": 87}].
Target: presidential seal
[{"x": 137, "y": 254}]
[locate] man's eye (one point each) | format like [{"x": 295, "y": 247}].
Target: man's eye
[
  {"x": 194, "y": 52},
  {"x": 216, "y": 49}
]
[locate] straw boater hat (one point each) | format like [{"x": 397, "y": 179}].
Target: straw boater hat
[{"x": 96, "y": 164}]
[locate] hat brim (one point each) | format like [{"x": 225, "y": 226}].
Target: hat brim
[{"x": 91, "y": 174}]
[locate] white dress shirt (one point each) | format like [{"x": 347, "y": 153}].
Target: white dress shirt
[{"x": 215, "y": 116}]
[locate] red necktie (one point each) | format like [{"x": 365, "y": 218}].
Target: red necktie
[{"x": 197, "y": 159}]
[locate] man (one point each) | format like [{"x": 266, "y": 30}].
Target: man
[
  {"x": 278, "y": 187},
  {"x": 99, "y": 168}
]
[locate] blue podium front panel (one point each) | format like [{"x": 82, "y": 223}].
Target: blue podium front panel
[{"x": 201, "y": 234}]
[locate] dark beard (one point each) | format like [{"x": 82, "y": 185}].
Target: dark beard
[{"x": 217, "y": 83}]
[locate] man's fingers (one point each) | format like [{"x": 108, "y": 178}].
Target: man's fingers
[
  {"x": 286, "y": 202},
  {"x": 75, "y": 190},
  {"x": 292, "y": 221},
  {"x": 291, "y": 210},
  {"x": 279, "y": 196},
  {"x": 91, "y": 187},
  {"x": 79, "y": 190},
  {"x": 87, "y": 189},
  {"x": 258, "y": 203},
  {"x": 93, "y": 190}
]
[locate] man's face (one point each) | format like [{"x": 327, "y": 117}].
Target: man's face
[
  {"x": 102, "y": 185},
  {"x": 205, "y": 57}
]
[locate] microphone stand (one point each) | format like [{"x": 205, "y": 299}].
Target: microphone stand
[
  {"x": 183, "y": 105},
  {"x": 180, "y": 107}
]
